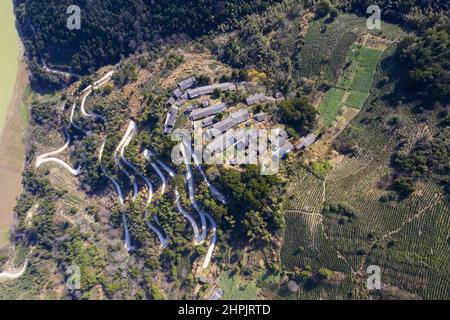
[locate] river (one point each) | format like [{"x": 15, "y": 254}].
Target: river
[{"x": 13, "y": 81}]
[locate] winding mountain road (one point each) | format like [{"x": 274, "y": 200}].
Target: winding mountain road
[
  {"x": 14, "y": 275},
  {"x": 203, "y": 215},
  {"x": 133, "y": 131},
  {"x": 49, "y": 157},
  {"x": 130, "y": 128},
  {"x": 198, "y": 237}
]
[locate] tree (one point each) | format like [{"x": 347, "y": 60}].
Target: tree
[
  {"x": 428, "y": 59},
  {"x": 323, "y": 8},
  {"x": 299, "y": 114},
  {"x": 325, "y": 273}
]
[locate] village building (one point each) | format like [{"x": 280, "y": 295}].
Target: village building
[
  {"x": 260, "y": 117},
  {"x": 202, "y": 91},
  {"x": 216, "y": 295},
  {"x": 198, "y": 114},
  {"x": 306, "y": 141},
  {"x": 283, "y": 151},
  {"x": 278, "y": 140},
  {"x": 256, "y": 98},
  {"x": 171, "y": 118},
  {"x": 234, "y": 119},
  {"x": 186, "y": 83},
  {"x": 209, "y": 121},
  {"x": 177, "y": 93},
  {"x": 189, "y": 109},
  {"x": 170, "y": 102}
]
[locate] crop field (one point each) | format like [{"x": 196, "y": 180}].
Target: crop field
[
  {"x": 306, "y": 245},
  {"x": 419, "y": 266},
  {"x": 305, "y": 193},
  {"x": 408, "y": 239},
  {"x": 330, "y": 105},
  {"x": 337, "y": 59},
  {"x": 327, "y": 44},
  {"x": 366, "y": 64}
]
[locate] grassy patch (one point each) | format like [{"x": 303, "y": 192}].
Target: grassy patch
[
  {"x": 321, "y": 168},
  {"x": 236, "y": 288},
  {"x": 326, "y": 45},
  {"x": 366, "y": 65},
  {"x": 330, "y": 105},
  {"x": 356, "y": 99},
  {"x": 24, "y": 113}
]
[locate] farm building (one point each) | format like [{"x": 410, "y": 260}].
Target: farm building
[
  {"x": 260, "y": 117},
  {"x": 170, "y": 102},
  {"x": 201, "y": 91},
  {"x": 186, "y": 83},
  {"x": 283, "y": 151},
  {"x": 198, "y": 114},
  {"x": 208, "y": 121},
  {"x": 171, "y": 118},
  {"x": 234, "y": 119},
  {"x": 253, "y": 99},
  {"x": 177, "y": 93},
  {"x": 306, "y": 141},
  {"x": 278, "y": 140}
]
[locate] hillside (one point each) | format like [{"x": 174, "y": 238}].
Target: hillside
[{"x": 361, "y": 122}]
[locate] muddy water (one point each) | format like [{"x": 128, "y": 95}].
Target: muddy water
[{"x": 13, "y": 80}]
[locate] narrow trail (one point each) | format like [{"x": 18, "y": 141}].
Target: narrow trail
[
  {"x": 87, "y": 92},
  {"x": 198, "y": 237},
  {"x": 214, "y": 192},
  {"x": 65, "y": 74},
  {"x": 133, "y": 132},
  {"x": 72, "y": 114},
  {"x": 114, "y": 182},
  {"x": 49, "y": 157},
  {"x": 189, "y": 178},
  {"x": 8, "y": 275},
  {"x": 185, "y": 150},
  {"x": 119, "y": 147}
]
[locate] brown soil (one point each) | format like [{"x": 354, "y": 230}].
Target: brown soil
[{"x": 12, "y": 150}]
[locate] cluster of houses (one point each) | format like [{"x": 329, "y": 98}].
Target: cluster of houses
[{"x": 204, "y": 116}]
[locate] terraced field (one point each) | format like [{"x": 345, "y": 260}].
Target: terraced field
[
  {"x": 327, "y": 44},
  {"x": 407, "y": 238},
  {"x": 366, "y": 64}
]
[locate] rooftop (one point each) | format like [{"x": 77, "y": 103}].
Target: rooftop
[{"x": 198, "y": 114}]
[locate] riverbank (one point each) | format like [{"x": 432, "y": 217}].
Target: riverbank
[{"x": 12, "y": 151}]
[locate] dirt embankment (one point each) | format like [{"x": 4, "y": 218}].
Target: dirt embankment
[{"x": 12, "y": 149}]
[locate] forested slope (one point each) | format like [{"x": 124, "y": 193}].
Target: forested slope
[{"x": 111, "y": 28}]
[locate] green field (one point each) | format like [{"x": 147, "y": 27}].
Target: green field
[
  {"x": 366, "y": 66},
  {"x": 327, "y": 44},
  {"x": 330, "y": 106},
  {"x": 357, "y": 79}
]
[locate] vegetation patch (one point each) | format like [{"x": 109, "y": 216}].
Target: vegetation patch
[{"x": 330, "y": 106}]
